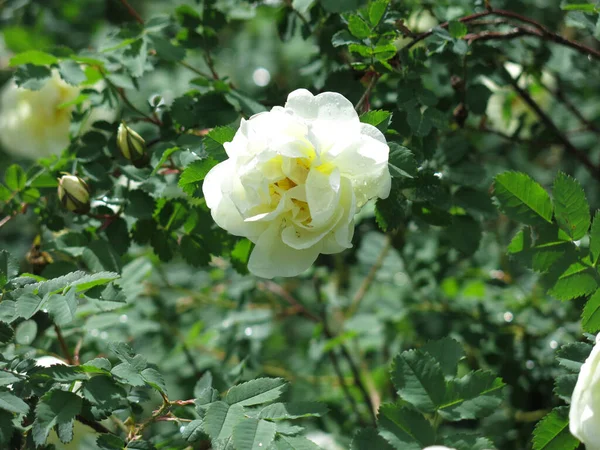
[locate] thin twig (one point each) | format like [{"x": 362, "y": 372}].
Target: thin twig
[
  {"x": 346, "y": 354},
  {"x": 193, "y": 69},
  {"x": 540, "y": 31},
  {"x": 132, "y": 12},
  {"x": 63, "y": 345},
  {"x": 365, "y": 97},
  {"x": 366, "y": 284},
  {"x": 569, "y": 147},
  {"x": 211, "y": 65},
  {"x": 284, "y": 294},
  {"x": 94, "y": 425}
]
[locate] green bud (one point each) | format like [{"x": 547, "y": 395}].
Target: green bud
[
  {"x": 132, "y": 146},
  {"x": 74, "y": 194}
]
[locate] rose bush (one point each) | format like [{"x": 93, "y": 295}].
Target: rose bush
[{"x": 294, "y": 180}]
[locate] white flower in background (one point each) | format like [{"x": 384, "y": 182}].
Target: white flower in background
[
  {"x": 324, "y": 440},
  {"x": 584, "y": 415},
  {"x": 35, "y": 124},
  {"x": 83, "y": 436},
  {"x": 506, "y": 108},
  {"x": 295, "y": 177}
]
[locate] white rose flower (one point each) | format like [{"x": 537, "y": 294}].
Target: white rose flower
[
  {"x": 33, "y": 124},
  {"x": 584, "y": 415},
  {"x": 295, "y": 177}
]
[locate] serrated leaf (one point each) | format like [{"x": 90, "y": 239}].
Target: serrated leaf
[
  {"x": 12, "y": 403},
  {"x": 253, "y": 434},
  {"x": 194, "y": 174},
  {"x": 193, "y": 431},
  {"x": 221, "y": 418},
  {"x": 62, "y": 308},
  {"x": 54, "y": 408},
  {"x": 447, "y": 352},
  {"x": 6, "y": 332},
  {"x": 368, "y": 439},
  {"x": 6, "y": 427},
  {"x": 35, "y": 57},
  {"x": 294, "y": 443},
  {"x": 474, "y": 396},
  {"x": 402, "y": 162},
  {"x": 15, "y": 178},
  {"x": 358, "y": 27},
  {"x": 256, "y": 392},
  {"x": 571, "y": 208},
  {"x": 110, "y": 442},
  {"x": 552, "y": 432},
  {"x": 154, "y": 379},
  {"x": 27, "y": 305},
  {"x": 377, "y": 10},
  {"x": 404, "y": 428},
  {"x": 457, "y": 29},
  {"x": 575, "y": 285},
  {"x": 595, "y": 238},
  {"x": 419, "y": 380},
  {"x": 572, "y": 356},
  {"x": 522, "y": 199},
  {"x": 590, "y": 317},
  {"x": 104, "y": 393},
  {"x": 295, "y": 410},
  {"x": 564, "y": 386},
  {"x": 9, "y": 268}
]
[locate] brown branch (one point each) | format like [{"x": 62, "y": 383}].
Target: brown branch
[
  {"x": 365, "y": 97},
  {"x": 63, "y": 345},
  {"x": 284, "y": 294},
  {"x": 366, "y": 284},
  {"x": 132, "y": 12},
  {"x": 569, "y": 147},
  {"x": 539, "y": 30}
]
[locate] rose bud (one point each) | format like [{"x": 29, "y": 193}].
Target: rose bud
[
  {"x": 132, "y": 146},
  {"x": 74, "y": 194}
]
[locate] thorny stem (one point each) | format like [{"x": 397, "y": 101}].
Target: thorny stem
[
  {"x": 132, "y": 12},
  {"x": 365, "y": 97},
  {"x": 63, "y": 345}
]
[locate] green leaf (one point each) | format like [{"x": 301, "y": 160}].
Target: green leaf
[
  {"x": 339, "y": 6},
  {"x": 358, "y": 27},
  {"x": 522, "y": 199},
  {"x": 464, "y": 233},
  {"x": 32, "y": 77},
  {"x": 9, "y": 268},
  {"x": 35, "y": 57},
  {"x": 256, "y": 392},
  {"x": 402, "y": 162},
  {"x": 6, "y": 427},
  {"x": 221, "y": 418},
  {"x": 595, "y": 238},
  {"x": 583, "y": 7},
  {"x": 295, "y": 410},
  {"x": 474, "y": 396},
  {"x": 590, "y": 317},
  {"x": 378, "y": 118},
  {"x": 104, "y": 393},
  {"x": 26, "y": 332},
  {"x": 253, "y": 434},
  {"x": 6, "y": 332},
  {"x": 203, "y": 111},
  {"x": 193, "y": 431},
  {"x": 457, "y": 29},
  {"x": 215, "y": 139},
  {"x": 552, "y": 432},
  {"x": 294, "y": 443},
  {"x": 570, "y": 206},
  {"x": 12, "y": 403},
  {"x": 572, "y": 356},
  {"x": 55, "y": 408},
  {"x": 368, "y": 439},
  {"x": 564, "y": 385},
  {"x": 571, "y": 285},
  {"x": 110, "y": 442},
  {"x": 154, "y": 379},
  {"x": 195, "y": 173},
  {"x": 71, "y": 72},
  {"x": 419, "y": 380},
  {"x": 62, "y": 308},
  {"x": 404, "y": 428},
  {"x": 377, "y": 10},
  {"x": 15, "y": 178},
  {"x": 447, "y": 352}
]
